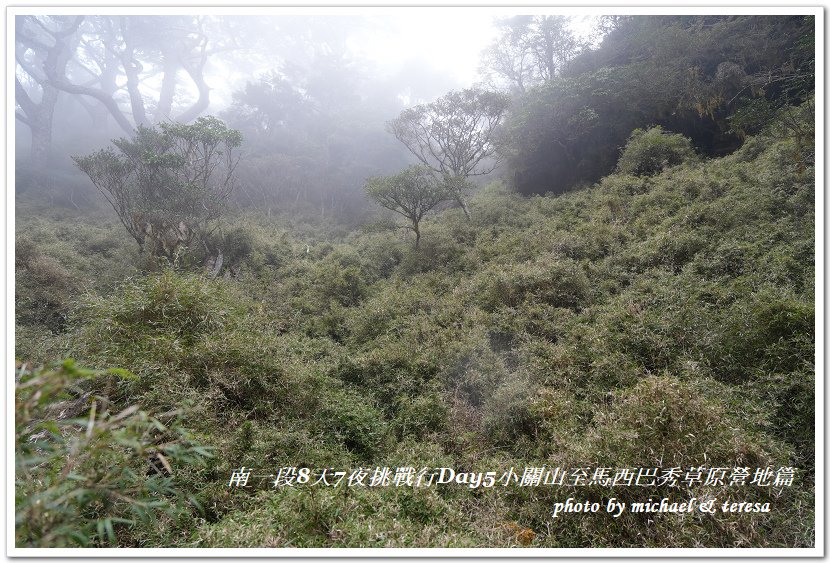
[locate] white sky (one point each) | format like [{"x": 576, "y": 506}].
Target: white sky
[
  {"x": 450, "y": 42},
  {"x": 447, "y": 40}
]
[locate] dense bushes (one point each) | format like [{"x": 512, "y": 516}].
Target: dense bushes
[
  {"x": 84, "y": 475},
  {"x": 657, "y": 319},
  {"x": 43, "y": 288},
  {"x": 57, "y": 257},
  {"x": 648, "y": 152},
  {"x": 547, "y": 280},
  {"x": 690, "y": 74}
]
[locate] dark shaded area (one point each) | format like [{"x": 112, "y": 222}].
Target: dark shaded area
[{"x": 688, "y": 74}]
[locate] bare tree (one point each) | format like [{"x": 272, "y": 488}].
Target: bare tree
[
  {"x": 131, "y": 68},
  {"x": 136, "y": 48},
  {"x": 454, "y": 136}
]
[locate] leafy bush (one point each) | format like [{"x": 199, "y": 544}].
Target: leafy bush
[
  {"x": 675, "y": 424},
  {"x": 507, "y": 414},
  {"x": 387, "y": 372},
  {"x": 766, "y": 331},
  {"x": 167, "y": 185},
  {"x": 649, "y": 152},
  {"x": 83, "y": 473},
  {"x": 665, "y": 422},
  {"x": 434, "y": 255},
  {"x": 559, "y": 283},
  {"x": 183, "y": 306},
  {"x": 294, "y": 517},
  {"x": 43, "y": 288},
  {"x": 475, "y": 371},
  {"x": 420, "y": 416},
  {"x": 338, "y": 283},
  {"x": 346, "y": 417}
]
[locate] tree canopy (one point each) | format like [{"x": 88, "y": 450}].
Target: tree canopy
[
  {"x": 530, "y": 50},
  {"x": 411, "y": 193},
  {"x": 454, "y": 135},
  {"x": 167, "y": 184},
  {"x": 688, "y": 74}
]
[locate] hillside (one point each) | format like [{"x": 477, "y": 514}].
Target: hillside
[{"x": 650, "y": 321}]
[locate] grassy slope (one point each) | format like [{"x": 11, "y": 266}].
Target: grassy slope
[{"x": 640, "y": 322}]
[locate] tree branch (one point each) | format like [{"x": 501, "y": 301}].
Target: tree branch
[
  {"x": 23, "y": 118},
  {"x": 21, "y": 97},
  {"x": 197, "y": 74},
  {"x": 109, "y": 103}
]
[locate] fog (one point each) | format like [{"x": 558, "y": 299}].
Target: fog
[
  {"x": 411, "y": 278},
  {"x": 311, "y": 94}
]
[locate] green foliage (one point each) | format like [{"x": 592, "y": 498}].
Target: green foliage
[
  {"x": 166, "y": 304},
  {"x": 411, "y": 193},
  {"x": 343, "y": 284},
  {"x": 676, "y": 425},
  {"x": 782, "y": 121},
  {"x": 766, "y": 332},
  {"x": 83, "y": 472},
  {"x": 420, "y": 416},
  {"x": 557, "y": 283},
  {"x": 651, "y": 151},
  {"x": 43, "y": 287},
  {"x": 507, "y": 414},
  {"x": 530, "y": 50},
  {"x": 454, "y": 136},
  {"x": 167, "y": 185},
  {"x": 347, "y": 418},
  {"x": 688, "y": 74},
  {"x": 295, "y": 517},
  {"x": 645, "y": 320},
  {"x": 665, "y": 422},
  {"x": 59, "y": 255}
]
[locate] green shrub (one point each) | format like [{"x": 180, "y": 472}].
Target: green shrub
[
  {"x": 148, "y": 181},
  {"x": 347, "y": 418},
  {"x": 765, "y": 331},
  {"x": 419, "y": 416},
  {"x": 436, "y": 254},
  {"x": 387, "y": 372},
  {"x": 382, "y": 253},
  {"x": 183, "y": 306},
  {"x": 298, "y": 446},
  {"x": 83, "y": 473},
  {"x": 249, "y": 370},
  {"x": 794, "y": 417},
  {"x": 651, "y": 151},
  {"x": 508, "y": 416},
  {"x": 548, "y": 280},
  {"x": 366, "y": 517},
  {"x": 666, "y": 422},
  {"x": 342, "y": 285},
  {"x": 663, "y": 422},
  {"x": 475, "y": 372},
  {"x": 43, "y": 288}
]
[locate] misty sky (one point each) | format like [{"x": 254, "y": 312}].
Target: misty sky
[
  {"x": 441, "y": 46},
  {"x": 438, "y": 46},
  {"x": 450, "y": 43},
  {"x": 416, "y": 54}
]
